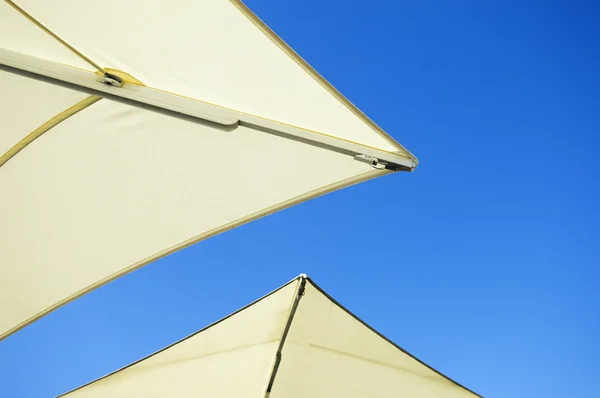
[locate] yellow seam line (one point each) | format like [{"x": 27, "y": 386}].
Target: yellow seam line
[
  {"x": 47, "y": 126},
  {"x": 208, "y": 234},
  {"x": 330, "y": 136},
  {"x": 315, "y": 75},
  {"x": 407, "y": 155},
  {"x": 132, "y": 80},
  {"x": 55, "y": 36}
]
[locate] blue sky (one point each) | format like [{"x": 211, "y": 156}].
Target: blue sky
[{"x": 483, "y": 263}]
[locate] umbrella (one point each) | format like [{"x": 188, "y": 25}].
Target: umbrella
[
  {"x": 295, "y": 342},
  {"x": 134, "y": 129}
]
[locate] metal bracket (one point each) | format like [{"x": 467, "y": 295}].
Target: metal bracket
[
  {"x": 368, "y": 159},
  {"x": 111, "y": 80},
  {"x": 378, "y": 164}
]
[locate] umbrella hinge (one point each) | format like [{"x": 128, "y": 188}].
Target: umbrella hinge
[
  {"x": 111, "y": 80},
  {"x": 378, "y": 164}
]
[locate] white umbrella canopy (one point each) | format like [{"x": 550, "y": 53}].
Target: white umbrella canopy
[
  {"x": 295, "y": 342},
  {"x": 128, "y": 133}
]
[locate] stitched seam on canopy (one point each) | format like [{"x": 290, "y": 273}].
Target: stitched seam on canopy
[
  {"x": 54, "y": 35},
  {"x": 435, "y": 377},
  {"x": 35, "y": 134},
  {"x": 407, "y": 155}
]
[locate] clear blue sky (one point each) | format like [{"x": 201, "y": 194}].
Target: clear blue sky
[{"x": 483, "y": 263}]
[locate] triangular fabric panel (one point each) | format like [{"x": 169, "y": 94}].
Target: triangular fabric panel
[
  {"x": 87, "y": 211},
  {"x": 204, "y": 49},
  {"x": 330, "y": 353},
  {"x": 231, "y": 358},
  {"x": 326, "y": 352}
]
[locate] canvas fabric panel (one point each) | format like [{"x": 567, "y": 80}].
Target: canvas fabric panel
[
  {"x": 230, "y": 359},
  {"x": 27, "y": 104},
  {"x": 114, "y": 186},
  {"x": 330, "y": 353},
  {"x": 208, "y": 50}
]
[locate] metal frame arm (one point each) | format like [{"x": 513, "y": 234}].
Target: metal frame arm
[{"x": 113, "y": 87}]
